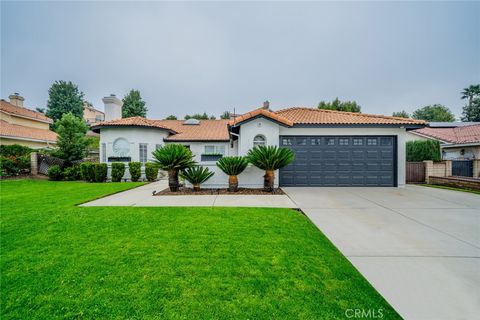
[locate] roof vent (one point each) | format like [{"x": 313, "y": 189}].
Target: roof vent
[{"x": 191, "y": 121}]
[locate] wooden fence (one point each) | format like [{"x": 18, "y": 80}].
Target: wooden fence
[{"x": 415, "y": 172}]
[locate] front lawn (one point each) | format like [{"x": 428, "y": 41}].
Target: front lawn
[{"x": 62, "y": 261}]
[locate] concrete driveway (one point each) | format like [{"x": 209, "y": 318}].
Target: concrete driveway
[{"x": 418, "y": 246}]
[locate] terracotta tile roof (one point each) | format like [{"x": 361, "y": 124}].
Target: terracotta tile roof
[
  {"x": 305, "y": 115},
  {"x": 18, "y": 131},
  {"x": 24, "y": 112},
  {"x": 261, "y": 112},
  {"x": 132, "y": 121},
  {"x": 458, "y": 135},
  {"x": 206, "y": 130}
]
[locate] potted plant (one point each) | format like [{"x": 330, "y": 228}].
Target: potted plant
[
  {"x": 173, "y": 158},
  {"x": 270, "y": 158},
  {"x": 196, "y": 176},
  {"x": 232, "y": 166}
]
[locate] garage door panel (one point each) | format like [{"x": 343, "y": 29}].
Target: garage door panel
[{"x": 340, "y": 161}]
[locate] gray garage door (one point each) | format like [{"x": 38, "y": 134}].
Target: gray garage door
[{"x": 340, "y": 161}]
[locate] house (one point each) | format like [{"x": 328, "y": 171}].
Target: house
[
  {"x": 92, "y": 115},
  {"x": 20, "y": 125},
  {"x": 332, "y": 148},
  {"x": 458, "y": 140}
]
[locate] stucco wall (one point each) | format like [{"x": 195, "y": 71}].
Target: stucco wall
[
  {"x": 24, "y": 121},
  {"x": 30, "y": 144},
  {"x": 456, "y": 153}
]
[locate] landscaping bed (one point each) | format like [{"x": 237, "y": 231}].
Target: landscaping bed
[{"x": 189, "y": 191}]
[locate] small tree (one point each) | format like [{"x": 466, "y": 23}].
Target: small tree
[
  {"x": 196, "y": 176},
  {"x": 171, "y": 117},
  {"x": 225, "y": 115},
  {"x": 72, "y": 142},
  {"x": 347, "y": 106},
  {"x": 173, "y": 158},
  {"x": 270, "y": 158},
  {"x": 436, "y": 112},
  {"x": 64, "y": 97},
  {"x": 471, "y": 111},
  {"x": 133, "y": 105},
  {"x": 232, "y": 166},
  {"x": 199, "y": 116},
  {"x": 401, "y": 114}
]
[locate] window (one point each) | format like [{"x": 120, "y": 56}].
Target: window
[
  {"x": 330, "y": 141},
  {"x": 158, "y": 146},
  {"x": 343, "y": 141},
  {"x": 98, "y": 118},
  {"x": 357, "y": 141},
  {"x": 286, "y": 141},
  {"x": 302, "y": 141},
  {"x": 259, "y": 140},
  {"x": 104, "y": 153},
  {"x": 143, "y": 152},
  {"x": 316, "y": 141},
  {"x": 371, "y": 141},
  {"x": 214, "y": 150}
]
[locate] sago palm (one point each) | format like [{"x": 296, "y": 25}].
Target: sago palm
[
  {"x": 173, "y": 158},
  {"x": 196, "y": 176},
  {"x": 232, "y": 166},
  {"x": 270, "y": 158}
]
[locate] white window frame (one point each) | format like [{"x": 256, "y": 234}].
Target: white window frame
[
  {"x": 143, "y": 154},
  {"x": 214, "y": 149},
  {"x": 104, "y": 152},
  {"x": 259, "y": 140}
]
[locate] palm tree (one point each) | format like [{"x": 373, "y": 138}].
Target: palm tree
[
  {"x": 196, "y": 176},
  {"x": 270, "y": 158},
  {"x": 173, "y": 158},
  {"x": 471, "y": 92},
  {"x": 232, "y": 166}
]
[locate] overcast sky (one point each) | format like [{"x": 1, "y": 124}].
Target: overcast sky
[{"x": 195, "y": 57}]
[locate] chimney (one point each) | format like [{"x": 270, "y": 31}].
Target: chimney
[
  {"x": 113, "y": 107},
  {"x": 266, "y": 105},
  {"x": 16, "y": 99}
]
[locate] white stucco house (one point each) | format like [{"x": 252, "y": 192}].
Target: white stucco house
[{"x": 332, "y": 148}]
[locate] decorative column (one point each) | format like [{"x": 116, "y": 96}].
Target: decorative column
[
  {"x": 476, "y": 168},
  {"x": 448, "y": 168},
  {"x": 34, "y": 163},
  {"x": 428, "y": 170}
]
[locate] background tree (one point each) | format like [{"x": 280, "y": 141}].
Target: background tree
[
  {"x": 471, "y": 111},
  {"x": 64, "y": 97},
  {"x": 225, "y": 115},
  {"x": 133, "y": 105},
  {"x": 72, "y": 142},
  {"x": 41, "y": 110},
  {"x": 349, "y": 106},
  {"x": 401, "y": 114},
  {"x": 436, "y": 112},
  {"x": 199, "y": 116},
  {"x": 171, "y": 117}
]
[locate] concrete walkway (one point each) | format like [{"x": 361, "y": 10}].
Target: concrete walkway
[
  {"x": 418, "y": 246},
  {"x": 142, "y": 197}
]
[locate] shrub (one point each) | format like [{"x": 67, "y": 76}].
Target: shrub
[
  {"x": 196, "y": 176},
  {"x": 100, "y": 172},
  {"x": 173, "y": 158},
  {"x": 151, "y": 171},
  {"x": 135, "y": 169},
  {"x": 72, "y": 173},
  {"x": 87, "y": 171},
  {"x": 14, "y": 159},
  {"x": 55, "y": 173},
  {"x": 423, "y": 150},
  {"x": 14, "y": 150},
  {"x": 118, "y": 170},
  {"x": 270, "y": 158},
  {"x": 232, "y": 166},
  {"x": 8, "y": 166}
]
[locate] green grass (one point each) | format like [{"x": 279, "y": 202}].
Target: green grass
[
  {"x": 451, "y": 188},
  {"x": 63, "y": 261}
]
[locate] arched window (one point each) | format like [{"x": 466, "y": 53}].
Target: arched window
[{"x": 259, "y": 140}]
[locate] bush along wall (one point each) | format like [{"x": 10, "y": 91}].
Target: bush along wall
[
  {"x": 135, "y": 169},
  {"x": 72, "y": 173},
  {"x": 423, "y": 150},
  {"x": 100, "y": 172},
  {"x": 55, "y": 173},
  {"x": 87, "y": 171},
  {"x": 14, "y": 160},
  {"x": 151, "y": 171},
  {"x": 118, "y": 170}
]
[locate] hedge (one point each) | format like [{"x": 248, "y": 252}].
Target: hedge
[
  {"x": 423, "y": 150},
  {"x": 55, "y": 173},
  {"x": 87, "y": 171},
  {"x": 151, "y": 171},
  {"x": 72, "y": 173},
  {"x": 118, "y": 171},
  {"x": 100, "y": 172},
  {"x": 135, "y": 169},
  {"x": 14, "y": 160}
]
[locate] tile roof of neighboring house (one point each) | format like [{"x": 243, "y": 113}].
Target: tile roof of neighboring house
[
  {"x": 206, "y": 130},
  {"x": 132, "y": 121},
  {"x": 258, "y": 113},
  {"x": 458, "y": 135},
  {"x": 304, "y": 115},
  {"x": 18, "y": 131},
  {"x": 23, "y": 112}
]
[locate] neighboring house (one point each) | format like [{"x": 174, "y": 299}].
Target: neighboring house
[
  {"x": 19, "y": 125},
  {"x": 457, "y": 140},
  {"x": 92, "y": 115},
  {"x": 332, "y": 148}
]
